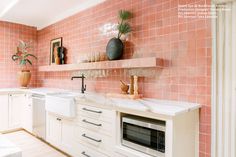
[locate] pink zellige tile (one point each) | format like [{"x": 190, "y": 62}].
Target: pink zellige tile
[{"x": 157, "y": 32}]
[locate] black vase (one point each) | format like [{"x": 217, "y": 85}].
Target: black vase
[
  {"x": 61, "y": 54},
  {"x": 114, "y": 49}
]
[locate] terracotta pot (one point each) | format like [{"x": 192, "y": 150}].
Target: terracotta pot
[{"x": 24, "y": 77}]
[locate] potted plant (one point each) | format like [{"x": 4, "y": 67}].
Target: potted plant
[
  {"x": 115, "y": 46},
  {"x": 24, "y": 58}
]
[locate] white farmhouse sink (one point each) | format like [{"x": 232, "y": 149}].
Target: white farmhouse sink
[{"x": 62, "y": 104}]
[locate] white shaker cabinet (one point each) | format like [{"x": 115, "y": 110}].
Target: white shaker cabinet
[
  {"x": 96, "y": 130},
  {"x": 16, "y": 102},
  {"x": 27, "y": 113},
  {"x": 4, "y": 112},
  {"x": 61, "y": 133},
  {"x": 53, "y": 130},
  {"x": 16, "y": 112}
]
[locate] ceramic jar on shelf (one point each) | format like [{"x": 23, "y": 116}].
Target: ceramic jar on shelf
[{"x": 91, "y": 57}]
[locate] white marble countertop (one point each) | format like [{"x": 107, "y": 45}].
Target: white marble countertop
[
  {"x": 163, "y": 107},
  {"x": 5, "y": 90},
  {"x": 43, "y": 91},
  {"x": 8, "y": 149}
]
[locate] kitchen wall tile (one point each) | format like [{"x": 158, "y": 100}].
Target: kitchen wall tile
[
  {"x": 10, "y": 34},
  {"x": 157, "y": 31}
]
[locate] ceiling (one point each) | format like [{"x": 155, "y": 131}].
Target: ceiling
[{"x": 41, "y": 13}]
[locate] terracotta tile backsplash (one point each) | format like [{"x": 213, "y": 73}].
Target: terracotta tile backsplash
[{"x": 157, "y": 31}]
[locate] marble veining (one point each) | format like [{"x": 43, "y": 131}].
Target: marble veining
[{"x": 163, "y": 107}]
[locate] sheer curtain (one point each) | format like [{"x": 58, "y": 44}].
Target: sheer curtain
[{"x": 224, "y": 82}]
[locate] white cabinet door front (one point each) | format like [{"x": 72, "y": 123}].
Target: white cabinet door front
[
  {"x": 15, "y": 104},
  {"x": 53, "y": 130},
  {"x": 68, "y": 142},
  {"x": 61, "y": 133},
  {"x": 26, "y": 112},
  {"x": 4, "y": 112}
]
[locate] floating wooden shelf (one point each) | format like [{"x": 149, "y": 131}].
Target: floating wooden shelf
[{"x": 117, "y": 64}]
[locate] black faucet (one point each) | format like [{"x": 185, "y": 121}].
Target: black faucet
[{"x": 83, "y": 87}]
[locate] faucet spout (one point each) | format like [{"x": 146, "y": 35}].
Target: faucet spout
[{"x": 83, "y": 86}]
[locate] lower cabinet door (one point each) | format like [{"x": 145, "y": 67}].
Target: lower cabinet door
[
  {"x": 61, "y": 134},
  {"x": 16, "y": 102},
  {"x": 53, "y": 130},
  {"x": 26, "y": 112},
  {"x": 68, "y": 141},
  {"x": 87, "y": 152},
  {"x": 4, "y": 112}
]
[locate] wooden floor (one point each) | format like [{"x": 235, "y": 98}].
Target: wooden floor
[{"x": 31, "y": 146}]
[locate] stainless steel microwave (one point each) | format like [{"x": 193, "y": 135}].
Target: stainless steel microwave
[{"x": 144, "y": 135}]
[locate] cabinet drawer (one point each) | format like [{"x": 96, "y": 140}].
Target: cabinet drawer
[
  {"x": 120, "y": 155},
  {"x": 98, "y": 126},
  {"x": 95, "y": 140},
  {"x": 96, "y": 113},
  {"x": 87, "y": 152}
]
